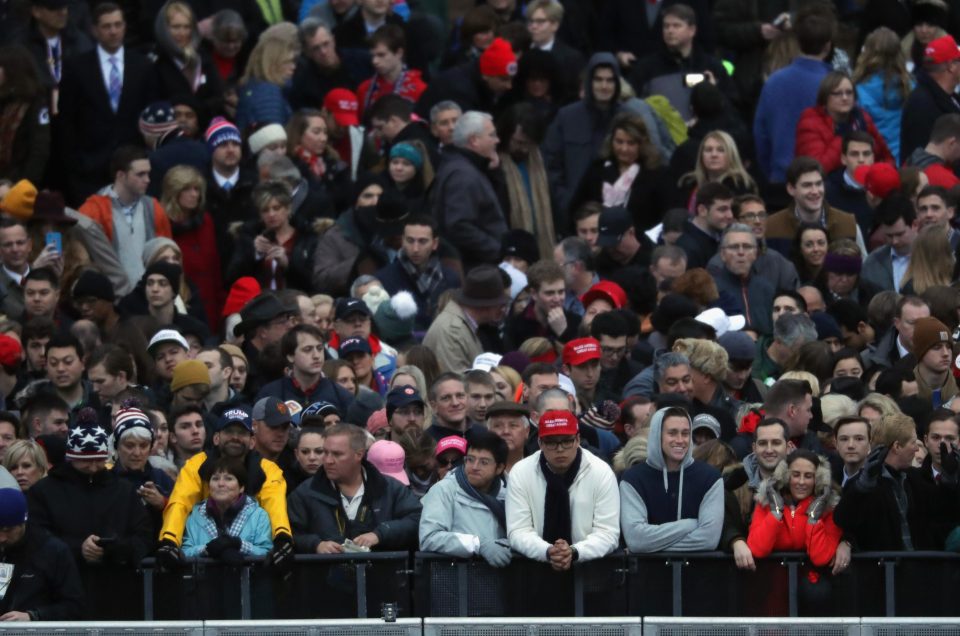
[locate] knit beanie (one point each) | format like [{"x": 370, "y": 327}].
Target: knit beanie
[
  {"x": 269, "y": 134},
  {"x": 170, "y": 271},
  {"x": 152, "y": 247},
  {"x": 13, "y": 507},
  {"x": 157, "y": 119},
  {"x": 234, "y": 351},
  {"x": 602, "y": 415},
  {"x": 406, "y": 151},
  {"x": 243, "y": 290},
  {"x": 19, "y": 201},
  {"x": 86, "y": 439},
  {"x": 374, "y": 297},
  {"x": 129, "y": 419},
  {"x": 189, "y": 372},
  {"x": 498, "y": 60},
  {"x": 842, "y": 263},
  {"x": 221, "y": 131},
  {"x": 928, "y": 332},
  {"x": 395, "y": 319},
  {"x": 93, "y": 284}
]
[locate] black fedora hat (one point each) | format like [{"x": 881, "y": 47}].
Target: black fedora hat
[
  {"x": 258, "y": 311},
  {"x": 483, "y": 286}
]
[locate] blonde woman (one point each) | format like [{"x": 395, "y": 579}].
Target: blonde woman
[
  {"x": 931, "y": 261},
  {"x": 181, "y": 67},
  {"x": 323, "y": 308},
  {"x": 883, "y": 84},
  {"x": 875, "y": 407},
  {"x": 718, "y": 160},
  {"x": 27, "y": 462},
  {"x": 269, "y": 68},
  {"x": 193, "y": 231},
  {"x": 506, "y": 380}
]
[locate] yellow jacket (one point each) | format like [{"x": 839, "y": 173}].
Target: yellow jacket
[{"x": 190, "y": 490}]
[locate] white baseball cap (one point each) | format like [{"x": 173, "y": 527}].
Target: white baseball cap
[{"x": 721, "y": 322}]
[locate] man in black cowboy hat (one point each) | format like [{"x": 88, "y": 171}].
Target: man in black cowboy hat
[
  {"x": 263, "y": 321},
  {"x": 453, "y": 335}
]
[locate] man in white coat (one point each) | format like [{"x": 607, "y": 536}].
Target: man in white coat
[{"x": 562, "y": 502}]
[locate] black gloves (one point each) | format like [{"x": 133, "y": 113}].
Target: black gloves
[
  {"x": 949, "y": 465},
  {"x": 281, "y": 557},
  {"x": 169, "y": 557},
  {"x": 872, "y": 468},
  {"x": 221, "y": 544}
]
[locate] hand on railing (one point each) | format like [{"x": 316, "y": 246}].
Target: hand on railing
[
  {"x": 281, "y": 557},
  {"x": 169, "y": 557},
  {"x": 495, "y": 553},
  {"x": 226, "y": 549}
]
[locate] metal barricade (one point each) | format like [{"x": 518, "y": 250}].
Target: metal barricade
[
  {"x": 620, "y": 626},
  {"x": 672, "y": 626},
  {"x": 104, "y": 628},
  {"x": 353, "y": 627}
]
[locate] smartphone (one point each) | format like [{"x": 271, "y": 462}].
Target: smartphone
[
  {"x": 55, "y": 239},
  {"x": 106, "y": 542},
  {"x": 692, "y": 79}
]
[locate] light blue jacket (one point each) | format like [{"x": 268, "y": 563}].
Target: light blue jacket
[
  {"x": 251, "y": 526},
  {"x": 885, "y": 105},
  {"x": 454, "y": 523}
]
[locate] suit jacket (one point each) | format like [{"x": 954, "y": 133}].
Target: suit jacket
[
  {"x": 12, "y": 298},
  {"x": 89, "y": 129},
  {"x": 878, "y": 268}
]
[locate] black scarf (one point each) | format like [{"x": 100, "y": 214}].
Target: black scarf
[
  {"x": 557, "y": 523},
  {"x": 487, "y": 499}
]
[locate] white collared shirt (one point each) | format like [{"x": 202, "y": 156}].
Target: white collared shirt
[
  {"x": 899, "y": 266},
  {"x": 546, "y": 47},
  {"x": 232, "y": 179},
  {"x": 351, "y": 505},
  {"x": 15, "y": 277},
  {"x": 105, "y": 65},
  {"x": 900, "y": 348}
]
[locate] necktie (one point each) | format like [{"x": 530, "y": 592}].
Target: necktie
[
  {"x": 115, "y": 85},
  {"x": 227, "y": 186}
]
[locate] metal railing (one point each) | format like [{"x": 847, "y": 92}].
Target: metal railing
[{"x": 437, "y": 586}]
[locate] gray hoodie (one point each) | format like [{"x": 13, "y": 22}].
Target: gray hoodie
[{"x": 662, "y": 510}]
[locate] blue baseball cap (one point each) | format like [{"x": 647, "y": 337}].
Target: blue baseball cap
[
  {"x": 354, "y": 345},
  {"x": 235, "y": 415}
]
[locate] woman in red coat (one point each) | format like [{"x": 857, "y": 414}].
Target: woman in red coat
[
  {"x": 822, "y": 127},
  {"x": 183, "y": 201}
]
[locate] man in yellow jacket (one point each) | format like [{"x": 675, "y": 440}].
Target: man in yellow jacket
[{"x": 233, "y": 437}]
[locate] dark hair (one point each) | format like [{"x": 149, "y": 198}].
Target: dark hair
[
  {"x": 39, "y": 407},
  {"x": 184, "y": 409},
  {"x": 37, "y": 328},
  {"x": 795, "y": 295},
  {"x": 682, "y": 12},
  {"x": 21, "y": 81},
  {"x": 861, "y": 136},
  {"x": 849, "y": 314},
  {"x": 391, "y": 105},
  {"x": 890, "y": 382},
  {"x": 847, "y": 353},
  {"x": 771, "y": 421},
  {"x": 688, "y": 327},
  {"x": 713, "y": 191},
  {"x": 673, "y": 221},
  {"x": 482, "y": 439},
  {"x": 525, "y": 117},
  {"x": 939, "y": 415},
  {"x": 784, "y": 393},
  {"x": 850, "y": 419},
  {"x": 103, "y": 9},
  {"x": 931, "y": 191},
  {"x": 746, "y": 198},
  {"x": 231, "y": 466},
  {"x": 479, "y": 376},
  {"x": 815, "y": 357},
  {"x": 538, "y": 368},
  {"x": 43, "y": 274},
  {"x": 226, "y": 360},
  {"x": 422, "y": 220},
  {"x": 801, "y": 166},
  {"x": 114, "y": 359},
  {"x": 814, "y": 28},
  {"x": 610, "y": 323},
  {"x": 124, "y": 156},
  {"x": 440, "y": 379},
  {"x": 945, "y": 127},
  {"x": 479, "y": 19},
  {"x": 288, "y": 344},
  {"x": 803, "y": 453},
  {"x": 64, "y": 341},
  {"x": 829, "y": 83},
  {"x": 895, "y": 207},
  {"x": 424, "y": 359},
  {"x": 389, "y": 35}
]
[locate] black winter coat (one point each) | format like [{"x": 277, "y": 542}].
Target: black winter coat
[
  {"x": 927, "y": 102},
  {"x": 299, "y": 265},
  {"x": 389, "y": 509},
  {"x": 649, "y": 194},
  {"x": 46, "y": 583},
  {"x": 73, "y": 506}
]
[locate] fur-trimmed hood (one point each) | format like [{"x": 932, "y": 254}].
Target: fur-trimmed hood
[{"x": 781, "y": 477}]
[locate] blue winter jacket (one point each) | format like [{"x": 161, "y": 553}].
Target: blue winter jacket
[
  {"x": 251, "y": 526},
  {"x": 885, "y": 105}
]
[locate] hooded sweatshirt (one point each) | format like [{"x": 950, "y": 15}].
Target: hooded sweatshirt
[{"x": 664, "y": 510}]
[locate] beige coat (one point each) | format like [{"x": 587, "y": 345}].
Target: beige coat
[{"x": 452, "y": 340}]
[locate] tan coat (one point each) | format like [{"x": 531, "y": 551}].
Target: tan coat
[{"x": 452, "y": 340}]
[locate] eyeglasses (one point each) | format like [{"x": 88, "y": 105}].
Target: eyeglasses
[
  {"x": 614, "y": 352},
  {"x": 448, "y": 463},
  {"x": 486, "y": 462},
  {"x": 410, "y": 411},
  {"x": 753, "y": 217},
  {"x": 740, "y": 247},
  {"x": 559, "y": 444}
]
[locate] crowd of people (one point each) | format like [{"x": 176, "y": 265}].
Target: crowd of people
[{"x": 547, "y": 279}]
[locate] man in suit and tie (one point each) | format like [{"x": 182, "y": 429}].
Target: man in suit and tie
[
  {"x": 543, "y": 22},
  {"x": 102, "y": 94},
  {"x": 886, "y": 266}
]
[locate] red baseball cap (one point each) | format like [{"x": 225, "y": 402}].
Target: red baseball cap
[
  {"x": 940, "y": 175},
  {"x": 454, "y": 442},
  {"x": 580, "y": 351},
  {"x": 880, "y": 179},
  {"x": 557, "y": 423},
  {"x": 11, "y": 353},
  {"x": 609, "y": 291},
  {"x": 941, "y": 51},
  {"x": 344, "y": 106}
]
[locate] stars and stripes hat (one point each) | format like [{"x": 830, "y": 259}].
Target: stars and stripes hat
[
  {"x": 129, "y": 419},
  {"x": 86, "y": 439}
]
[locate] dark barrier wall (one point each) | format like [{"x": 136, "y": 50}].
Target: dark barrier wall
[{"x": 921, "y": 584}]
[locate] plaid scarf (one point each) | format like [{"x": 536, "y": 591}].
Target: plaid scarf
[{"x": 427, "y": 280}]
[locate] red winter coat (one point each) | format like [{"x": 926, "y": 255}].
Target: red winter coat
[
  {"x": 816, "y": 137},
  {"x": 201, "y": 263},
  {"x": 768, "y": 534}
]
